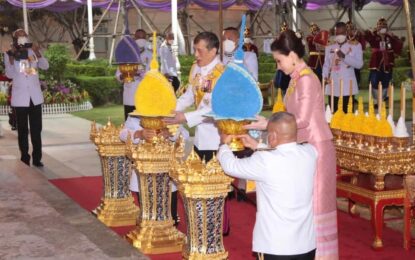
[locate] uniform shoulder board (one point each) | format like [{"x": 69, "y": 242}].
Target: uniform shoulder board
[
  {"x": 220, "y": 67},
  {"x": 353, "y": 42}
]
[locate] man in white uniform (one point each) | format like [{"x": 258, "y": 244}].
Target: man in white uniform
[
  {"x": 168, "y": 61},
  {"x": 340, "y": 61},
  {"x": 203, "y": 76},
  {"x": 230, "y": 44},
  {"x": 21, "y": 65},
  {"x": 284, "y": 178},
  {"x": 145, "y": 54}
]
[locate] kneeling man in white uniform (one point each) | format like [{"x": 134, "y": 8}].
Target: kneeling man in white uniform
[{"x": 284, "y": 177}]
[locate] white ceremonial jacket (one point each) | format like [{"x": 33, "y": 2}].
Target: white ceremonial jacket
[
  {"x": 207, "y": 134},
  {"x": 25, "y": 87},
  {"x": 131, "y": 125},
  {"x": 250, "y": 62},
  {"x": 146, "y": 57},
  {"x": 284, "y": 182},
  {"x": 167, "y": 60},
  {"x": 129, "y": 89},
  {"x": 337, "y": 69}
]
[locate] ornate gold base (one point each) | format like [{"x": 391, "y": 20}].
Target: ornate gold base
[
  {"x": 157, "y": 237},
  {"x": 117, "y": 212},
  {"x": 236, "y": 145},
  {"x": 199, "y": 256}
]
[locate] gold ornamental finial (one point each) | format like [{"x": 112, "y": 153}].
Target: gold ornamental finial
[{"x": 154, "y": 65}]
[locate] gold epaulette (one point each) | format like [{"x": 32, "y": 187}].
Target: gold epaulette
[{"x": 353, "y": 42}]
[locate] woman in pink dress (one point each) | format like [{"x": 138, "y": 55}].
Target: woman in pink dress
[{"x": 304, "y": 98}]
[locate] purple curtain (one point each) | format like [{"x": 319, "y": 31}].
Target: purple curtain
[{"x": 165, "y": 5}]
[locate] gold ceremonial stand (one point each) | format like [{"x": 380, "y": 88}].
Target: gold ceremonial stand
[
  {"x": 155, "y": 232},
  {"x": 117, "y": 206},
  {"x": 204, "y": 188}
]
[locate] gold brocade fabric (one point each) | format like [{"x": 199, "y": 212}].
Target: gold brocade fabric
[
  {"x": 293, "y": 82},
  {"x": 202, "y": 85}
]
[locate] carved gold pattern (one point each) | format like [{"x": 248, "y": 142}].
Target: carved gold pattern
[
  {"x": 232, "y": 127},
  {"x": 117, "y": 207},
  {"x": 155, "y": 232},
  {"x": 204, "y": 187}
]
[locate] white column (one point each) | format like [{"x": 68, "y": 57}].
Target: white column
[
  {"x": 174, "y": 27},
  {"x": 90, "y": 29},
  {"x": 25, "y": 23},
  {"x": 294, "y": 15}
]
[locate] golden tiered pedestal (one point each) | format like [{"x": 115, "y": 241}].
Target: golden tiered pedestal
[
  {"x": 204, "y": 188},
  {"x": 155, "y": 232},
  {"x": 117, "y": 206},
  {"x": 364, "y": 166}
]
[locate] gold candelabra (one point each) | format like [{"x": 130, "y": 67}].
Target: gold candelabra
[
  {"x": 117, "y": 206},
  {"x": 155, "y": 232},
  {"x": 128, "y": 71},
  {"x": 204, "y": 187}
]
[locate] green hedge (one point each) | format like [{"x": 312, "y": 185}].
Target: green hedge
[
  {"x": 102, "y": 90},
  {"x": 89, "y": 70}
]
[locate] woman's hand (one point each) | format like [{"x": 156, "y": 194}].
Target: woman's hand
[{"x": 260, "y": 124}]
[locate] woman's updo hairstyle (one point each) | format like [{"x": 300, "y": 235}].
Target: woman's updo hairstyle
[{"x": 289, "y": 41}]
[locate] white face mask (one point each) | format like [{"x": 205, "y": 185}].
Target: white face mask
[
  {"x": 340, "y": 39},
  {"x": 22, "y": 40},
  {"x": 228, "y": 46},
  {"x": 170, "y": 42},
  {"x": 141, "y": 43},
  {"x": 383, "y": 30},
  {"x": 247, "y": 40}
]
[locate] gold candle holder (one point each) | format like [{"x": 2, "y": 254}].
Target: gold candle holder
[
  {"x": 401, "y": 143},
  {"x": 383, "y": 143},
  {"x": 128, "y": 71},
  {"x": 117, "y": 206},
  {"x": 232, "y": 127},
  {"x": 370, "y": 140},
  {"x": 155, "y": 232},
  {"x": 348, "y": 137},
  {"x": 337, "y": 134},
  {"x": 358, "y": 137},
  {"x": 203, "y": 187}
]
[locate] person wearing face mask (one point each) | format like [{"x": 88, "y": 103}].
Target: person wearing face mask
[
  {"x": 145, "y": 54},
  {"x": 230, "y": 44},
  {"x": 22, "y": 63},
  {"x": 249, "y": 43},
  {"x": 384, "y": 47},
  {"x": 341, "y": 58},
  {"x": 169, "y": 61}
]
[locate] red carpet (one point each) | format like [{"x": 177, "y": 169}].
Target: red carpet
[{"x": 355, "y": 234}]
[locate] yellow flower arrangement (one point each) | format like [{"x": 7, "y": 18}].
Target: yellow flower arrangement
[
  {"x": 155, "y": 95},
  {"x": 279, "y": 105},
  {"x": 383, "y": 129},
  {"x": 336, "y": 121}
]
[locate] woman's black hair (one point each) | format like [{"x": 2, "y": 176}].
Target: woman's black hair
[{"x": 289, "y": 41}]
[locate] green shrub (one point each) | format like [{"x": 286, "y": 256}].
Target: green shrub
[
  {"x": 58, "y": 58},
  {"x": 89, "y": 70},
  {"x": 267, "y": 67},
  {"x": 102, "y": 90},
  {"x": 399, "y": 74}
]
